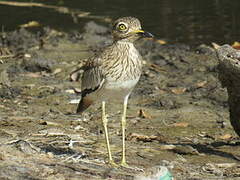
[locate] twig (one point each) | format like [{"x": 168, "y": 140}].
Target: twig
[{"x": 61, "y": 9}]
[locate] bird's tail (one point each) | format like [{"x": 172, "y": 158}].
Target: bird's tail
[{"x": 84, "y": 104}]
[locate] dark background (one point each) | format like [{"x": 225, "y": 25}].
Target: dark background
[{"x": 185, "y": 21}]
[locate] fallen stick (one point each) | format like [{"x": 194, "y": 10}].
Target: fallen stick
[
  {"x": 61, "y": 9},
  {"x": 31, "y": 4}
]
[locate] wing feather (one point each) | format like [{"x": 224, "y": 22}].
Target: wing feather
[{"x": 92, "y": 77}]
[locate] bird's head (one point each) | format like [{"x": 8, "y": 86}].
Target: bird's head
[{"x": 128, "y": 29}]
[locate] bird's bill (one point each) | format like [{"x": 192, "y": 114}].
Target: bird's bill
[{"x": 144, "y": 33}]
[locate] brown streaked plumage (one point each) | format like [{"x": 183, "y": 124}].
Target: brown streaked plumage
[{"x": 112, "y": 74}]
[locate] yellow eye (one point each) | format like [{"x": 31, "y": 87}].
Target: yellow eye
[{"x": 122, "y": 27}]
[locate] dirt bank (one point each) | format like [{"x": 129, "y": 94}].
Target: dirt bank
[{"x": 184, "y": 123}]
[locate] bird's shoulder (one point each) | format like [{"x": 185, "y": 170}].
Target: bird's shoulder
[
  {"x": 93, "y": 74},
  {"x": 98, "y": 58}
]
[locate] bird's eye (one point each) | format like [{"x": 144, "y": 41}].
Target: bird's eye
[{"x": 122, "y": 27}]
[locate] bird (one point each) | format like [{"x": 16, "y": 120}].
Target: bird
[{"x": 111, "y": 75}]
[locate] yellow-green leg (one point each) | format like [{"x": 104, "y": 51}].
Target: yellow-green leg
[
  {"x": 105, "y": 121},
  {"x": 123, "y": 162}
]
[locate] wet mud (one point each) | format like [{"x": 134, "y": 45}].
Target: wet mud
[{"x": 177, "y": 116}]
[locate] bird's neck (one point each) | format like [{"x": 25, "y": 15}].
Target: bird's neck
[{"x": 124, "y": 42}]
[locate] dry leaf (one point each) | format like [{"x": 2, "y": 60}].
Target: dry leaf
[
  {"x": 179, "y": 90},
  {"x": 180, "y": 124},
  {"x": 33, "y": 75},
  {"x": 144, "y": 138},
  {"x": 31, "y": 24},
  {"x": 201, "y": 84},
  {"x": 160, "y": 41},
  {"x": 225, "y": 137},
  {"x": 236, "y": 45},
  {"x": 143, "y": 114}
]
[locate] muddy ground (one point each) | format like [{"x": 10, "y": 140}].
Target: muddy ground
[{"x": 183, "y": 124}]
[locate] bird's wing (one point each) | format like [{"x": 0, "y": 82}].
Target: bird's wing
[{"x": 92, "y": 78}]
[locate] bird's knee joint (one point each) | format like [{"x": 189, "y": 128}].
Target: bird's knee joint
[
  {"x": 123, "y": 121},
  {"x": 105, "y": 121}
]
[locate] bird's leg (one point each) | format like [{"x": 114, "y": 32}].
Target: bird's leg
[
  {"x": 105, "y": 121},
  {"x": 123, "y": 162}
]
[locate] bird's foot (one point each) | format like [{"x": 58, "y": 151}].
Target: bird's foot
[
  {"x": 113, "y": 164},
  {"x": 124, "y": 164}
]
